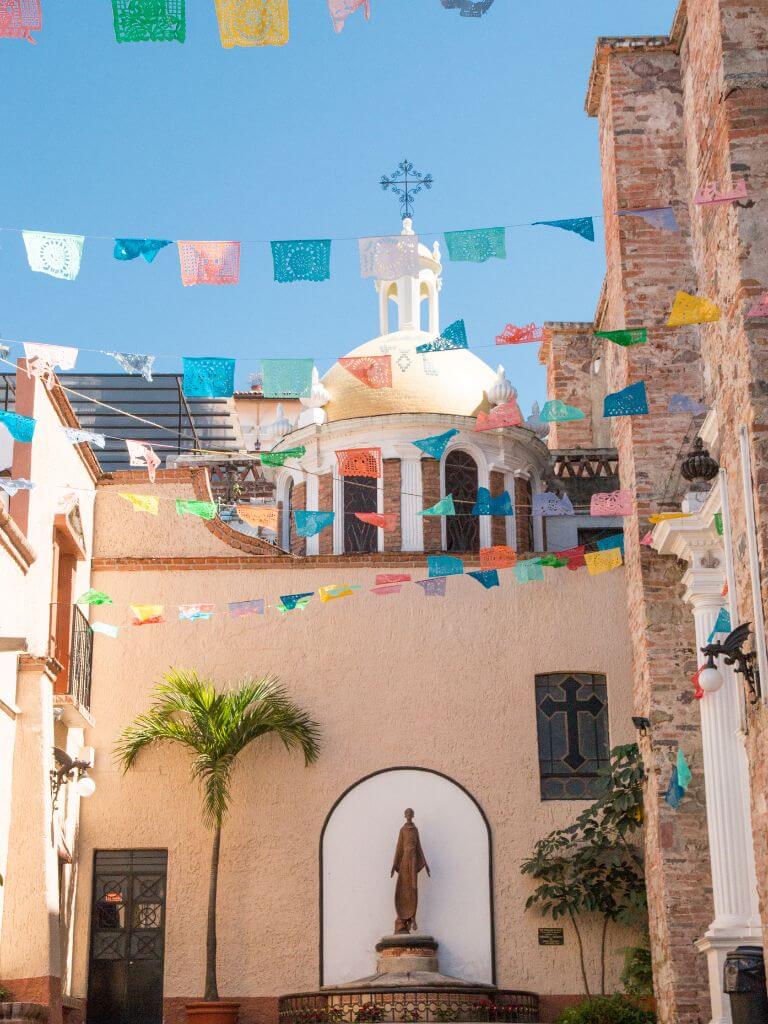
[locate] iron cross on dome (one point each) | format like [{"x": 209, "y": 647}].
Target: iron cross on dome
[{"x": 406, "y": 182}]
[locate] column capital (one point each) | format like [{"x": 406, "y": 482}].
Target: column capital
[
  {"x": 408, "y": 452},
  {"x": 704, "y": 584}
]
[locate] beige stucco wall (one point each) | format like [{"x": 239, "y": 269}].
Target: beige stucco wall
[{"x": 408, "y": 680}]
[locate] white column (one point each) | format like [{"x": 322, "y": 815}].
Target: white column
[
  {"x": 411, "y": 499},
  {"x": 734, "y": 885},
  {"x": 311, "y": 499},
  {"x": 484, "y": 522},
  {"x": 338, "y": 508}
]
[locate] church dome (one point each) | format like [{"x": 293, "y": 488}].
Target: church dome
[{"x": 453, "y": 382}]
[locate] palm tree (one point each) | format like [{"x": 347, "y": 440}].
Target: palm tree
[{"x": 216, "y": 726}]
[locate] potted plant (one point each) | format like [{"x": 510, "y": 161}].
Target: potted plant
[{"x": 216, "y": 726}]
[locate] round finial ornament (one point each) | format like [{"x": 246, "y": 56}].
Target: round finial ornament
[
  {"x": 319, "y": 395},
  {"x": 501, "y": 390},
  {"x": 698, "y": 465}
]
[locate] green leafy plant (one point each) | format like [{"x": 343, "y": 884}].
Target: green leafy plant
[
  {"x": 637, "y": 973},
  {"x": 216, "y": 726},
  {"x": 606, "y": 1010},
  {"x": 593, "y": 866},
  {"x": 369, "y": 1013},
  {"x": 5, "y": 995}
]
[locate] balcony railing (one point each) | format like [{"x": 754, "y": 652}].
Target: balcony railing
[
  {"x": 401, "y": 1005},
  {"x": 80, "y": 660}
]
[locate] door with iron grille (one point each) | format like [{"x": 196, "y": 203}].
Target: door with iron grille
[{"x": 125, "y": 975}]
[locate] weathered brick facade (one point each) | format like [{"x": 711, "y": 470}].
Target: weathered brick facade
[
  {"x": 430, "y": 484},
  {"x": 523, "y": 518},
  {"x": 298, "y": 500},
  {"x": 498, "y": 523},
  {"x": 392, "y": 538},
  {"x": 567, "y": 354},
  {"x": 325, "y": 504}
]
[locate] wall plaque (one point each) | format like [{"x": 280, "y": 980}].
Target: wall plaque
[{"x": 551, "y": 937}]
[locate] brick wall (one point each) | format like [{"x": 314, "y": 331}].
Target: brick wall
[
  {"x": 523, "y": 518},
  {"x": 498, "y": 523},
  {"x": 430, "y": 486},
  {"x": 392, "y": 538},
  {"x": 325, "y": 504},
  {"x": 298, "y": 500},
  {"x": 640, "y": 105},
  {"x": 567, "y": 353}
]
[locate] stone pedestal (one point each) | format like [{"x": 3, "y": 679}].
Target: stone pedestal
[{"x": 400, "y": 954}]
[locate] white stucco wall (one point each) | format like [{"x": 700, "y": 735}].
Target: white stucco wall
[{"x": 454, "y": 903}]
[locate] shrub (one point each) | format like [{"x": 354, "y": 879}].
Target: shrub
[
  {"x": 637, "y": 973},
  {"x": 606, "y": 1010},
  {"x": 5, "y": 995}
]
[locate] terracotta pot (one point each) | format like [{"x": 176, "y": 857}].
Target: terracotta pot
[{"x": 222, "y": 1011}]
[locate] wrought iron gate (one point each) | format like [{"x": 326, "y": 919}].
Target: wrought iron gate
[{"x": 125, "y": 976}]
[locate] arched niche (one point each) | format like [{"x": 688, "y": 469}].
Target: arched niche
[{"x": 357, "y": 845}]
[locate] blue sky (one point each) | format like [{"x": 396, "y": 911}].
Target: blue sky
[{"x": 194, "y": 141}]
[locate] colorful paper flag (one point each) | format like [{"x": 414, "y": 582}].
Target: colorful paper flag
[
  {"x": 252, "y": 22},
  {"x": 630, "y": 401},
  {"x": 190, "y": 507},
  {"x": 21, "y": 428},
  {"x": 19, "y": 19},
  {"x": 454, "y": 336},
  {"x": 647, "y": 540},
  {"x": 488, "y": 578},
  {"x": 373, "y": 371},
  {"x": 54, "y": 254},
  {"x": 147, "y": 614},
  {"x": 660, "y": 517},
  {"x": 240, "y": 609},
  {"x": 556, "y": 411},
  {"x": 436, "y": 444},
  {"x": 553, "y": 561},
  {"x": 444, "y": 507},
  {"x": 603, "y": 561},
  {"x": 309, "y": 523},
  {"x": 711, "y": 194},
  {"x": 675, "y": 792},
  {"x": 302, "y": 260},
  {"x": 389, "y": 257},
  {"x": 684, "y": 775},
  {"x": 616, "y": 540},
  {"x": 527, "y": 335},
  {"x": 131, "y": 248},
  {"x": 279, "y": 458},
  {"x": 196, "y": 612},
  {"x": 287, "y": 378},
  {"x": 633, "y": 336},
  {"x": 77, "y": 436},
  {"x": 574, "y": 557},
  {"x": 690, "y": 309},
  {"x": 468, "y": 8},
  {"x": 106, "y": 629},
  {"x": 292, "y": 601},
  {"x": 149, "y": 21},
  {"x": 549, "y": 504},
  {"x": 434, "y": 587},
  {"x": 12, "y": 487},
  {"x": 384, "y": 579},
  {"x": 722, "y": 625},
  {"x": 334, "y": 591},
  {"x": 42, "y": 360},
  {"x": 444, "y": 565},
  {"x": 266, "y": 517},
  {"x": 528, "y": 571},
  {"x": 760, "y": 308},
  {"x": 611, "y": 503},
  {"x": 684, "y": 404},
  {"x": 381, "y": 520},
  {"x": 485, "y": 505},
  {"x": 141, "y": 454},
  {"x": 497, "y": 557},
  {"x": 134, "y": 362},
  {"x": 209, "y": 262},
  {"x": 340, "y": 10},
  {"x": 360, "y": 462},
  {"x": 206, "y": 377},
  {"x": 660, "y": 217},
  {"x": 505, "y": 415},
  {"x": 142, "y": 502},
  {"x": 94, "y": 597},
  {"x": 477, "y": 245},
  {"x": 583, "y": 226},
  {"x": 718, "y": 518}
]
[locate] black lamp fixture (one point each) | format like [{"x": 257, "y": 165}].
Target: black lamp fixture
[
  {"x": 698, "y": 464},
  {"x": 710, "y": 679},
  {"x": 69, "y": 768},
  {"x": 643, "y": 725}
]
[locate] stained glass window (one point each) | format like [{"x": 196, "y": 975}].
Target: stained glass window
[
  {"x": 462, "y": 530},
  {"x": 572, "y": 722},
  {"x": 360, "y": 495}
]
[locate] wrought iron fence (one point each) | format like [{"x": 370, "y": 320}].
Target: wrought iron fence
[
  {"x": 80, "y": 660},
  {"x": 422, "y": 1005}
]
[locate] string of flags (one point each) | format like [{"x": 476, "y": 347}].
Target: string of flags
[{"x": 241, "y": 22}]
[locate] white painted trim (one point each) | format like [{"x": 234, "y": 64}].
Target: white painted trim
[{"x": 754, "y": 561}]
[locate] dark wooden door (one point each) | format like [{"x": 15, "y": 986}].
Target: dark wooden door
[{"x": 125, "y": 975}]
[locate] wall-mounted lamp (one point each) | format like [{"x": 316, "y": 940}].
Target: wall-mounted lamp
[
  {"x": 69, "y": 768},
  {"x": 711, "y": 679},
  {"x": 643, "y": 725}
]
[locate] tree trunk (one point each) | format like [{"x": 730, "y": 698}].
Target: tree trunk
[
  {"x": 581, "y": 955},
  {"x": 602, "y": 956},
  {"x": 211, "y": 988}
]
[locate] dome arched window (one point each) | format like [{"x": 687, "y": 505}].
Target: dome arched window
[
  {"x": 462, "y": 531},
  {"x": 360, "y": 495}
]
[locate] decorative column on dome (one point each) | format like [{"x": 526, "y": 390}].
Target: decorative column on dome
[
  {"x": 407, "y": 291},
  {"x": 411, "y": 500},
  {"x": 726, "y": 781},
  {"x": 318, "y": 397}
]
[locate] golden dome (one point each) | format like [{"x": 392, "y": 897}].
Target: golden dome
[{"x": 453, "y": 382}]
